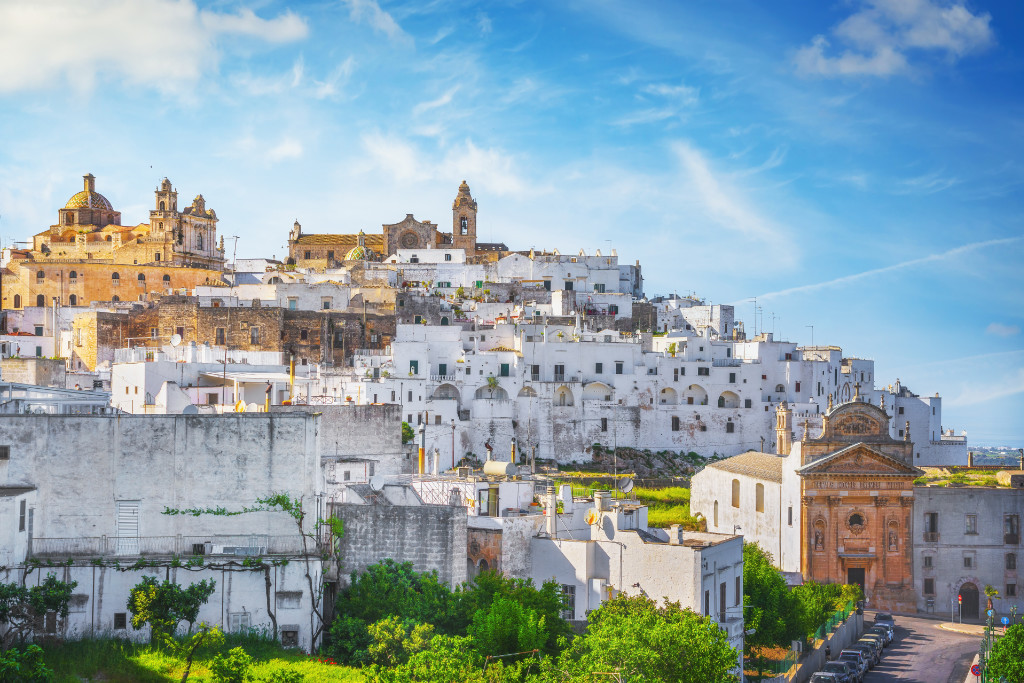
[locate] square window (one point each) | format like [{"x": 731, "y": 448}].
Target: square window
[
  {"x": 289, "y": 638},
  {"x": 675, "y": 423},
  {"x": 927, "y": 561},
  {"x": 1011, "y": 590},
  {"x": 5, "y": 452},
  {"x": 120, "y": 621},
  {"x": 968, "y": 562},
  {"x": 619, "y": 366},
  {"x": 598, "y": 368},
  {"x": 239, "y": 621}
]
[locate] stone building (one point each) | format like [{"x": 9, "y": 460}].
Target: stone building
[
  {"x": 89, "y": 256},
  {"x": 836, "y": 508},
  {"x": 331, "y": 250}
]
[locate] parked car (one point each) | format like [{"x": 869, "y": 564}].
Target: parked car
[
  {"x": 877, "y": 643},
  {"x": 856, "y": 659},
  {"x": 883, "y": 631},
  {"x": 886, "y": 619},
  {"x": 823, "y": 678},
  {"x": 843, "y": 671},
  {"x": 869, "y": 653}
]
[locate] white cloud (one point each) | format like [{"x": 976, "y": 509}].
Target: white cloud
[
  {"x": 369, "y": 12},
  {"x": 1001, "y": 330},
  {"x": 288, "y": 148},
  {"x": 847, "y": 279},
  {"x": 166, "y": 44},
  {"x": 1011, "y": 384},
  {"x": 724, "y": 203},
  {"x": 671, "y": 102},
  {"x": 930, "y": 183},
  {"x": 441, "y": 101},
  {"x": 881, "y": 34}
]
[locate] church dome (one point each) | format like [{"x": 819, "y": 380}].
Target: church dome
[
  {"x": 359, "y": 253},
  {"x": 88, "y": 200}
]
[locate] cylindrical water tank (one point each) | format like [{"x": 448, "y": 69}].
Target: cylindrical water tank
[{"x": 500, "y": 468}]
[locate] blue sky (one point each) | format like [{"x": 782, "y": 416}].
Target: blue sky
[{"x": 854, "y": 165}]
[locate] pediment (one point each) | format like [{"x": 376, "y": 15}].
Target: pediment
[{"x": 859, "y": 459}]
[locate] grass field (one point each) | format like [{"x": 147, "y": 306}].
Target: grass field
[
  {"x": 665, "y": 506},
  {"x": 113, "y": 659}
]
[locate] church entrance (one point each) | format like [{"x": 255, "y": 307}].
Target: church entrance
[
  {"x": 969, "y": 604},
  {"x": 855, "y": 575}
]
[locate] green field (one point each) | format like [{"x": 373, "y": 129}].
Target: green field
[
  {"x": 113, "y": 659},
  {"x": 665, "y": 506}
]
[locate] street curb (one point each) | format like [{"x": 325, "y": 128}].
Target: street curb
[{"x": 963, "y": 629}]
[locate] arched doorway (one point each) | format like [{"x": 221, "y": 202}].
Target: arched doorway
[{"x": 969, "y": 601}]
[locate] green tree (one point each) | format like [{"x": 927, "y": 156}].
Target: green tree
[
  {"x": 644, "y": 642},
  {"x": 407, "y": 433},
  {"x": 24, "y": 666},
  {"x": 1007, "y": 657},
  {"x": 507, "y": 627},
  {"x": 547, "y": 601},
  {"x": 232, "y": 667},
  {"x": 20, "y": 606},
  {"x": 165, "y": 605},
  {"x": 392, "y": 641},
  {"x": 447, "y": 659},
  {"x": 771, "y": 609}
]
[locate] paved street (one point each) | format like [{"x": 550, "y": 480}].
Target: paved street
[{"x": 923, "y": 653}]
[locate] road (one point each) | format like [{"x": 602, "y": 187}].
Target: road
[{"x": 923, "y": 653}]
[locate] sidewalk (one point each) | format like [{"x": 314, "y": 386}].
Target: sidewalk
[{"x": 966, "y": 629}]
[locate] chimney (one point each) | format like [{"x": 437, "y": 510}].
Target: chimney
[
  {"x": 675, "y": 534},
  {"x": 602, "y": 500},
  {"x": 970, "y": 458},
  {"x": 90, "y": 182}
]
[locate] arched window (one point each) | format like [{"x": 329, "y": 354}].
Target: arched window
[
  {"x": 167, "y": 278},
  {"x": 162, "y": 206},
  {"x": 464, "y": 225},
  {"x": 716, "y": 514},
  {"x": 444, "y": 320},
  {"x": 40, "y": 275},
  {"x": 115, "y": 276},
  {"x": 73, "y": 275},
  {"x": 142, "y": 278},
  {"x": 115, "y": 298},
  {"x": 17, "y": 300},
  {"x": 108, "y": 238},
  {"x": 779, "y": 389},
  {"x": 759, "y": 497},
  {"x": 40, "y": 300},
  {"x": 721, "y": 401},
  {"x": 735, "y": 493},
  {"x": 69, "y": 219},
  {"x": 73, "y": 300},
  {"x": 199, "y": 240}
]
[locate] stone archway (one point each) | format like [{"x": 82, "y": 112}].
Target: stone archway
[{"x": 970, "y": 601}]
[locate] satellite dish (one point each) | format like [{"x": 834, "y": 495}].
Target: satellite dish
[
  {"x": 625, "y": 484},
  {"x": 377, "y": 482},
  {"x": 176, "y": 340},
  {"x": 190, "y": 410}
]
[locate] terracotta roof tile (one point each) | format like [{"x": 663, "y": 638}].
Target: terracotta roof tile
[
  {"x": 755, "y": 464},
  {"x": 375, "y": 242}
]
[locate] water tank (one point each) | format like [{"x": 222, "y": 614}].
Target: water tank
[{"x": 500, "y": 468}]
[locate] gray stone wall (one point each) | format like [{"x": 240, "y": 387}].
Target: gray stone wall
[
  {"x": 432, "y": 537},
  {"x": 42, "y": 371}
]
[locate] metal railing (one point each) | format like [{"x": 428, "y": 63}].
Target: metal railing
[
  {"x": 931, "y": 536},
  {"x": 238, "y": 545},
  {"x": 726, "y": 362},
  {"x": 442, "y": 378}
]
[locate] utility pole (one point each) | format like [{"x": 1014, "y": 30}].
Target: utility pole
[{"x": 812, "y": 334}]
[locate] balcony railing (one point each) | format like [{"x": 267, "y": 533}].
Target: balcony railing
[
  {"x": 559, "y": 376},
  {"x": 137, "y": 546},
  {"x": 1011, "y": 539},
  {"x": 442, "y": 378},
  {"x": 726, "y": 362},
  {"x": 931, "y": 536}
]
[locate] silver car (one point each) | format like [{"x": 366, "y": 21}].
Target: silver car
[{"x": 857, "y": 662}]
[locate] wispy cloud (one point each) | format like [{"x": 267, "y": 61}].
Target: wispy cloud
[
  {"x": 667, "y": 100},
  {"x": 974, "y": 393},
  {"x": 848, "y": 279},
  {"x": 879, "y": 37},
  {"x": 77, "y": 42},
  {"x": 288, "y": 148},
  {"x": 930, "y": 183},
  {"x": 722, "y": 201},
  {"x": 370, "y": 13},
  {"x": 1001, "y": 330},
  {"x": 441, "y": 101}
]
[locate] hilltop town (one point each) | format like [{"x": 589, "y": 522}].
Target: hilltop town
[{"x": 439, "y": 396}]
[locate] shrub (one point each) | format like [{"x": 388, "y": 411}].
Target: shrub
[
  {"x": 24, "y": 666},
  {"x": 231, "y": 668}
]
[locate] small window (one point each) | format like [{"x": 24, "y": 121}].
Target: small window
[
  {"x": 142, "y": 277},
  {"x": 239, "y": 621},
  {"x": 40, "y": 300},
  {"x": 619, "y": 366},
  {"x": 568, "y": 600},
  {"x": 568, "y": 285},
  {"x": 166, "y": 279},
  {"x": 1011, "y": 561},
  {"x": 304, "y": 335},
  {"x": 929, "y": 586},
  {"x": 705, "y": 372},
  {"x": 732, "y": 378},
  {"x": 735, "y": 493},
  {"x": 414, "y": 367},
  {"x": 968, "y": 562},
  {"x": 598, "y": 368},
  {"x": 120, "y": 621},
  {"x": 289, "y": 638},
  {"x": 675, "y": 423},
  {"x": 254, "y": 335},
  {"x": 604, "y": 424},
  {"x": 348, "y": 476},
  {"x": 971, "y": 524},
  {"x": 927, "y": 561},
  {"x": 759, "y": 498},
  {"x": 746, "y": 403},
  {"x": 219, "y": 337},
  {"x": 40, "y": 276},
  {"x": 115, "y": 276},
  {"x": 307, "y": 254},
  {"x": 900, "y": 411},
  {"x": 1011, "y": 590},
  {"x": 447, "y": 257},
  {"x": 21, "y": 516},
  {"x": 17, "y": 300},
  {"x": 790, "y": 515},
  {"x": 730, "y": 427},
  {"x": 73, "y": 300}
]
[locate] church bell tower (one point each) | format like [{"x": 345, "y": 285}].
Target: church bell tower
[{"x": 464, "y": 220}]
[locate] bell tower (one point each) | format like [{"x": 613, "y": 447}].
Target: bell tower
[
  {"x": 783, "y": 429},
  {"x": 464, "y": 220}
]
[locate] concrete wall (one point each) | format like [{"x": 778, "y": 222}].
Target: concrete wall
[
  {"x": 83, "y": 465},
  {"x": 432, "y": 537},
  {"x": 842, "y": 637}
]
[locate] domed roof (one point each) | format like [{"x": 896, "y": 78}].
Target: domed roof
[
  {"x": 88, "y": 200},
  {"x": 359, "y": 253}
]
